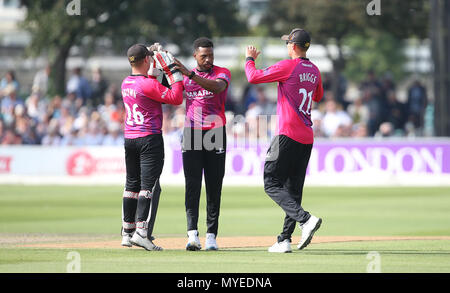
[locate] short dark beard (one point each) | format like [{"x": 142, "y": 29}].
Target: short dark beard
[{"x": 199, "y": 68}]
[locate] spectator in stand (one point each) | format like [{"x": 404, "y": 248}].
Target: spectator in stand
[
  {"x": 54, "y": 108},
  {"x": 326, "y": 81},
  {"x": 119, "y": 114},
  {"x": 258, "y": 112},
  {"x": 94, "y": 134},
  {"x": 316, "y": 118},
  {"x": 72, "y": 103},
  {"x": 82, "y": 120},
  {"x": 108, "y": 108},
  {"x": 36, "y": 107},
  {"x": 371, "y": 101},
  {"x": 388, "y": 83},
  {"x": 52, "y": 138},
  {"x": 71, "y": 138},
  {"x": 79, "y": 85},
  {"x": 174, "y": 131},
  {"x": 343, "y": 131},
  {"x": 416, "y": 105},
  {"x": 374, "y": 98},
  {"x": 42, "y": 127},
  {"x": 24, "y": 125},
  {"x": 66, "y": 122},
  {"x": 2, "y": 128},
  {"x": 359, "y": 130},
  {"x": 386, "y": 130},
  {"x": 99, "y": 87},
  {"x": 334, "y": 118},
  {"x": 114, "y": 136},
  {"x": 40, "y": 82},
  {"x": 230, "y": 104},
  {"x": 167, "y": 126},
  {"x": 116, "y": 92},
  {"x": 8, "y": 104},
  {"x": 358, "y": 111},
  {"x": 251, "y": 118},
  {"x": 267, "y": 107},
  {"x": 340, "y": 91},
  {"x": 9, "y": 84},
  {"x": 395, "y": 113},
  {"x": 248, "y": 97},
  {"x": 11, "y": 138},
  {"x": 371, "y": 81}
]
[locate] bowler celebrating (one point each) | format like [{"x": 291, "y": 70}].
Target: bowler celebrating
[
  {"x": 204, "y": 140},
  {"x": 299, "y": 83},
  {"x": 144, "y": 147}
]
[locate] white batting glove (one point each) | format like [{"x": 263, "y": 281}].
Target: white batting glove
[{"x": 165, "y": 62}]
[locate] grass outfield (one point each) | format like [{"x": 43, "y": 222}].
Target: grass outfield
[{"x": 94, "y": 213}]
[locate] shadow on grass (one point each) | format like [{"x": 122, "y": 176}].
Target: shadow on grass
[
  {"x": 341, "y": 251},
  {"x": 365, "y": 251}
]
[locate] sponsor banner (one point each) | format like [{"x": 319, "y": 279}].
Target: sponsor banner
[{"x": 340, "y": 162}]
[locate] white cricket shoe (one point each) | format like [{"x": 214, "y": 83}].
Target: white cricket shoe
[
  {"x": 210, "y": 242},
  {"x": 126, "y": 239},
  {"x": 145, "y": 243},
  {"x": 281, "y": 247},
  {"x": 193, "y": 241},
  {"x": 308, "y": 230}
]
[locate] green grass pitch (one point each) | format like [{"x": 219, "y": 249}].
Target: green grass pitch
[{"x": 87, "y": 211}]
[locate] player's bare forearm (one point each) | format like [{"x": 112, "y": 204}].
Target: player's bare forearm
[{"x": 215, "y": 86}]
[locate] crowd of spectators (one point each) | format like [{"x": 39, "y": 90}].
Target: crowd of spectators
[
  {"x": 376, "y": 112},
  {"x": 92, "y": 113}
]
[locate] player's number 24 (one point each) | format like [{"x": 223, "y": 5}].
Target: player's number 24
[{"x": 137, "y": 116}]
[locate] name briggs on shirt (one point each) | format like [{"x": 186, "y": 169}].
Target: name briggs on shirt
[
  {"x": 201, "y": 94},
  {"x": 308, "y": 76}
]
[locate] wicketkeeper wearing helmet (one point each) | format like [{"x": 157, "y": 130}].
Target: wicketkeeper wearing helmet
[{"x": 143, "y": 96}]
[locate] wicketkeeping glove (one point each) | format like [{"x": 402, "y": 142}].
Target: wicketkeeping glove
[
  {"x": 165, "y": 62},
  {"x": 155, "y": 47}
]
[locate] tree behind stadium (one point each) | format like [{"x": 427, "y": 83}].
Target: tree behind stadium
[
  {"x": 340, "y": 22},
  {"x": 121, "y": 23}
]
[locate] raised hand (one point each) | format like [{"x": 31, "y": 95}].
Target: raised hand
[{"x": 252, "y": 52}]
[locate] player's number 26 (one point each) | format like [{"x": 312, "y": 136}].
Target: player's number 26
[
  {"x": 134, "y": 117},
  {"x": 307, "y": 99}
]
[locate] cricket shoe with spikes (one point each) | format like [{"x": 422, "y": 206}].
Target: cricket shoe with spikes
[
  {"x": 281, "y": 247},
  {"x": 193, "y": 243},
  {"x": 210, "y": 242},
  {"x": 308, "y": 230},
  {"x": 144, "y": 242}
]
